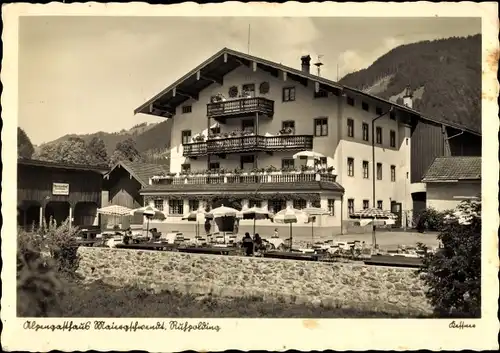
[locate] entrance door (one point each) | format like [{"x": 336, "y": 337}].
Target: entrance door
[{"x": 396, "y": 208}]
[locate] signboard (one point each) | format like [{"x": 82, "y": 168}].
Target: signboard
[{"x": 60, "y": 189}]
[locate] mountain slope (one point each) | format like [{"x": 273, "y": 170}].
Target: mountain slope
[
  {"x": 150, "y": 139},
  {"x": 445, "y": 73}
]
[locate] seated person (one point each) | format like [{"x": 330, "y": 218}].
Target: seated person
[
  {"x": 247, "y": 243},
  {"x": 155, "y": 235},
  {"x": 258, "y": 242},
  {"x": 127, "y": 237}
]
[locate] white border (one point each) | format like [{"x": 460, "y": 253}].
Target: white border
[{"x": 344, "y": 334}]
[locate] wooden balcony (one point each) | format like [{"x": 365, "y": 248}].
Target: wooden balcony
[
  {"x": 248, "y": 178},
  {"x": 240, "y": 107},
  {"x": 252, "y": 143}
]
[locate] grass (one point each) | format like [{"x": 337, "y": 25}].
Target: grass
[{"x": 101, "y": 300}]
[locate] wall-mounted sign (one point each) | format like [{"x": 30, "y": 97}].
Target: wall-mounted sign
[{"x": 60, "y": 189}]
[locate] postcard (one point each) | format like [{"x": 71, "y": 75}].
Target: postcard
[{"x": 250, "y": 176}]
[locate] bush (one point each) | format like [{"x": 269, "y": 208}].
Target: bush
[
  {"x": 453, "y": 273},
  {"x": 44, "y": 259},
  {"x": 62, "y": 246},
  {"x": 429, "y": 219},
  {"x": 38, "y": 288}
]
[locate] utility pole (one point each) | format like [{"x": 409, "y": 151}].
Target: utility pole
[
  {"x": 248, "y": 46},
  {"x": 374, "y": 239}
]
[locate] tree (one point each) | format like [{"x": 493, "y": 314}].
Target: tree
[
  {"x": 453, "y": 273},
  {"x": 126, "y": 151},
  {"x": 97, "y": 151},
  {"x": 25, "y": 148},
  {"x": 73, "y": 150}
]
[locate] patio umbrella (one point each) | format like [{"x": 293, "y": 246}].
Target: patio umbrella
[
  {"x": 288, "y": 216},
  {"x": 194, "y": 216},
  {"x": 312, "y": 212},
  {"x": 223, "y": 211},
  {"x": 114, "y": 210},
  {"x": 374, "y": 214},
  {"x": 150, "y": 212},
  {"x": 308, "y": 154},
  {"x": 255, "y": 213}
]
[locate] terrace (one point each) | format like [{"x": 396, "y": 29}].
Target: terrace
[
  {"x": 240, "y": 107},
  {"x": 257, "y": 176},
  {"x": 243, "y": 142}
]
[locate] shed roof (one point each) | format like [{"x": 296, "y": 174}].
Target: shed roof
[
  {"x": 454, "y": 169},
  {"x": 60, "y": 165}
]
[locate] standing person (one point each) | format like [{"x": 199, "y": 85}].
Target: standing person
[
  {"x": 247, "y": 244},
  {"x": 236, "y": 226},
  {"x": 208, "y": 226},
  {"x": 275, "y": 235}
]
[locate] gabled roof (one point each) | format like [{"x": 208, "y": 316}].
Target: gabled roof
[
  {"x": 59, "y": 165},
  {"x": 454, "y": 169},
  {"x": 140, "y": 171},
  {"x": 226, "y": 60}
]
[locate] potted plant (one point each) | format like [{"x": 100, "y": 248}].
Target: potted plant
[{"x": 233, "y": 133}]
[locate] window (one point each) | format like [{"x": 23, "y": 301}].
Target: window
[
  {"x": 366, "y": 173},
  {"x": 316, "y": 203},
  {"x": 247, "y": 125},
  {"x": 299, "y": 204},
  {"x": 350, "y": 101},
  {"x": 186, "y": 168},
  {"x": 393, "y": 173},
  {"x": 288, "y": 94},
  {"x": 350, "y": 206},
  {"x": 321, "y": 127},
  {"x": 378, "y": 111},
  {"x": 331, "y": 207},
  {"x": 378, "y": 135},
  {"x": 321, "y": 94},
  {"x": 393, "y": 138},
  {"x": 214, "y": 166},
  {"x": 392, "y": 115},
  {"x": 194, "y": 205},
  {"x": 365, "y": 132},
  {"x": 247, "y": 161},
  {"x": 186, "y": 136},
  {"x": 321, "y": 162},
  {"x": 158, "y": 204},
  {"x": 379, "y": 171},
  {"x": 365, "y": 106},
  {"x": 288, "y": 124},
  {"x": 254, "y": 203},
  {"x": 215, "y": 130},
  {"x": 187, "y": 109},
  {"x": 350, "y": 127},
  {"x": 379, "y": 204},
  {"x": 350, "y": 166},
  {"x": 277, "y": 205},
  {"x": 366, "y": 204},
  {"x": 287, "y": 163},
  {"x": 248, "y": 90},
  {"x": 176, "y": 207}
]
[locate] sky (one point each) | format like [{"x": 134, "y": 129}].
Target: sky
[{"x": 87, "y": 74}]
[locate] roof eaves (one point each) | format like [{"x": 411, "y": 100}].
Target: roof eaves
[{"x": 180, "y": 80}]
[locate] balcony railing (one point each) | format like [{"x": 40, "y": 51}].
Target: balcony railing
[
  {"x": 240, "y": 106},
  {"x": 249, "y": 178},
  {"x": 249, "y": 144}
]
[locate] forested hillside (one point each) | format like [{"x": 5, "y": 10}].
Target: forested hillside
[{"x": 446, "y": 74}]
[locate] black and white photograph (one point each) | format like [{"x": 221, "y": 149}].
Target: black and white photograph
[{"x": 185, "y": 173}]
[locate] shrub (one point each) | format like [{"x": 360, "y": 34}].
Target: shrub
[
  {"x": 429, "y": 219},
  {"x": 38, "y": 288},
  {"x": 62, "y": 246},
  {"x": 453, "y": 273}
]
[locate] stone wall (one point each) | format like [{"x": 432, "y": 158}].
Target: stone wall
[{"x": 329, "y": 284}]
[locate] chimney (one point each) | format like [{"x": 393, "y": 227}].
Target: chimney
[
  {"x": 306, "y": 63},
  {"x": 408, "y": 97}
]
